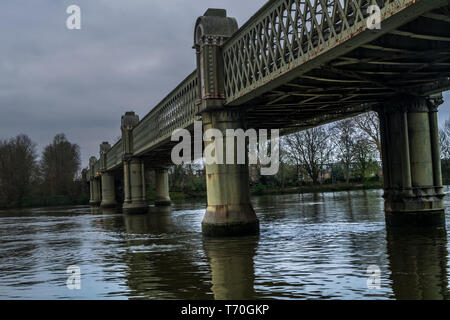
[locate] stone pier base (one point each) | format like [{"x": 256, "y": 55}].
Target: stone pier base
[{"x": 412, "y": 177}]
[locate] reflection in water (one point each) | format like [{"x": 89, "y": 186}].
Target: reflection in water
[
  {"x": 96, "y": 210},
  {"x": 418, "y": 263},
  {"x": 154, "y": 257},
  {"x": 157, "y": 221},
  {"x": 232, "y": 268},
  {"x": 311, "y": 246}
]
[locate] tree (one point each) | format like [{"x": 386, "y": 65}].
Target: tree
[
  {"x": 364, "y": 155},
  {"x": 60, "y": 164},
  {"x": 311, "y": 149},
  {"x": 444, "y": 139},
  {"x": 344, "y": 136},
  {"x": 369, "y": 124},
  {"x": 17, "y": 169}
]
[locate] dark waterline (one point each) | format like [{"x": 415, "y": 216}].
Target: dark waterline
[{"x": 310, "y": 246}]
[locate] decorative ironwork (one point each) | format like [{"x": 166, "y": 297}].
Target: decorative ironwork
[
  {"x": 285, "y": 34},
  {"x": 175, "y": 111},
  {"x": 114, "y": 155}
]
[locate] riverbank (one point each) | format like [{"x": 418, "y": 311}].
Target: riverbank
[
  {"x": 265, "y": 190},
  {"x": 337, "y": 187},
  {"x": 194, "y": 194}
]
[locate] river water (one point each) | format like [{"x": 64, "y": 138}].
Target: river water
[{"x": 311, "y": 246}]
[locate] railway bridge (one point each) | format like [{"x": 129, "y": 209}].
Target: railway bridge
[{"x": 293, "y": 65}]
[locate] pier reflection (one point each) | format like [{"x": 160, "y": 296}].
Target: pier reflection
[
  {"x": 156, "y": 251},
  {"x": 232, "y": 267},
  {"x": 418, "y": 263}
]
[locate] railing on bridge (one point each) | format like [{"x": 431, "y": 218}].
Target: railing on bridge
[
  {"x": 114, "y": 155},
  {"x": 176, "y": 110},
  {"x": 285, "y": 34}
]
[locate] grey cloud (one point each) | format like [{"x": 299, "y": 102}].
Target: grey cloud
[{"x": 128, "y": 56}]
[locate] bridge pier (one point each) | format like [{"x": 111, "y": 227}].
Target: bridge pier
[
  {"x": 162, "y": 187},
  {"x": 229, "y": 211},
  {"x": 94, "y": 184},
  {"x": 107, "y": 179},
  {"x": 95, "y": 198},
  {"x": 134, "y": 186},
  {"x": 411, "y": 163},
  {"x": 133, "y": 169},
  {"x": 108, "y": 191}
]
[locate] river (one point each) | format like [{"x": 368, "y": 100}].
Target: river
[{"x": 311, "y": 246}]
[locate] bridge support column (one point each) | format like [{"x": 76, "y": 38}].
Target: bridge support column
[
  {"x": 94, "y": 187},
  {"x": 411, "y": 163},
  {"x": 108, "y": 191},
  {"x": 133, "y": 168},
  {"x": 134, "y": 186},
  {"x": 107, "y": 179},
  {"x": 162, "y": 187},
  {"x": 229, "y": 211}
]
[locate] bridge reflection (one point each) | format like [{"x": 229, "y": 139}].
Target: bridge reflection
[{"x": 418, "y": 263}]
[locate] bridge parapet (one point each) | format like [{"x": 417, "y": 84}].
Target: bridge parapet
[
  {"x": 176, "y": 110},
  {"x": 114, "y": 156}
]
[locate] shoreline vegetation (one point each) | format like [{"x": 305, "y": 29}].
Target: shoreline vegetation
[
  {"x": 260, "y": 190},
  {"x": 342, "y": 156},
  {"x": 256, "y": 190}
]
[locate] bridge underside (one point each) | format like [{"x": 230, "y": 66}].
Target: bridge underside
[{"x": 413, "y": 59}]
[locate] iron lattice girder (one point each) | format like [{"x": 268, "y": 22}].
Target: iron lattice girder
[{"x": 288, "y": 38}]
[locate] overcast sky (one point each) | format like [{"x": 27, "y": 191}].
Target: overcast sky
[{"x": 127, "y": 56}]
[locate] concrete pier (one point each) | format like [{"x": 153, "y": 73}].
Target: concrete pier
[
  {"x": 411, "y": 162},
  {"x": 108, "y": 191},
  {"x": 94, "y": 184},
  {"x": 229, "y": 211},
  {"x": 107, "y": 179},
  {"x": 95, "y": 199},
  {"x": 162, "y": 187},
  {"x": 134, "y": 187},
  {"x": 133, "y": 169}
]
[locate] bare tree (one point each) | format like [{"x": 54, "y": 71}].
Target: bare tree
[
  {"x": 364, "y": 157},
  {"x": 369, "y": 124},
  {"x": 310, "y": 149},
  {"x": 60, "y": 164},
  {"x": 444, "y": 139},
  {"x": 344, "y": 139},
  {"x": 17, "y": 168}
]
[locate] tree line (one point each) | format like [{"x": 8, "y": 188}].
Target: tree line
[
  {"x": 346, "y": 151},
  {"x": 444, "y": 139},
  {"x": 53, "y": 178}
]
